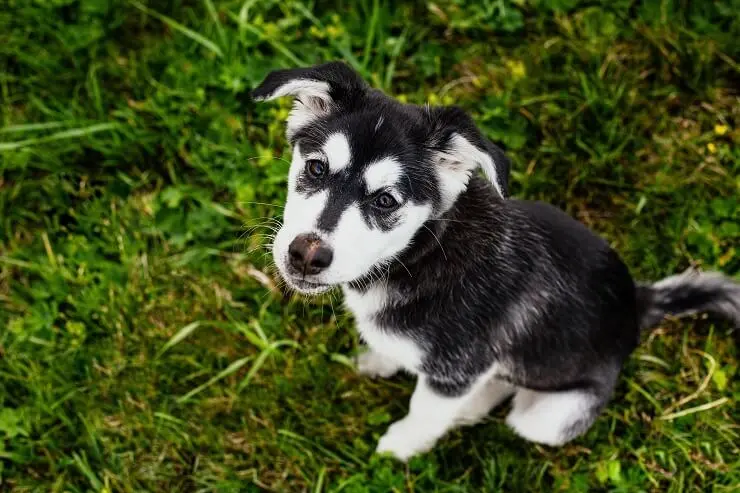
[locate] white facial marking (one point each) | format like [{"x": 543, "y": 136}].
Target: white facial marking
[
  {"x": 357, "y": 245},
  {"x": 382, "y": 174},
  {"x": 337, "y": 151},
  {"x": 300, "y": 214}
]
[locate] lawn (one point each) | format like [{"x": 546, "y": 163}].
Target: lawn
[{"x": 144, "y": 345}]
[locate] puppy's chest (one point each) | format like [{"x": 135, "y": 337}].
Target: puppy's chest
[{"x": 365, "y": 307}]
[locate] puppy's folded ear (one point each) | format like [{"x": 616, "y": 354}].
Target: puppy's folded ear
[
  {"x": 459, "y": 147},
  {"x": 318, "y": 90}
]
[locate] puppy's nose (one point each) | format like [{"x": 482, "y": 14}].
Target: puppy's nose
[{"x": 309, "y": 254}]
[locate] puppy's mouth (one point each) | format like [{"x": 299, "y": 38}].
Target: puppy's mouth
[{"x": 307, "y": 287}]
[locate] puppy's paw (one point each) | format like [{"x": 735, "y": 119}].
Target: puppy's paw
[
  {"x": 404, "y": 439},
  {"x": 373, "y": 364}
]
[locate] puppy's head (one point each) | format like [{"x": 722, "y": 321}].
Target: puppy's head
[{"x": 367, "y": 173}]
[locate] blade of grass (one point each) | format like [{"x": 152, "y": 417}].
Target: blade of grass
[
  {"x": 346, "y": 53},
  {"x": 320, "y": 481},
  {"x": 66, "y": 134},
  {"x": 274, "y": 43},
  {"x": 695, "y": 409},
  {"x": 20, "y": 263},
  {"x": 179, "y": 336},
  {"x": 390, "y": 71},
  {"x": 30, "y": 127},
  {"x": 370, "y": 37},
  {"x": 86, "y": 470},
  {"x": 233, "y": 367},
  {"x": 261, "y": 361},
  {"x": 309, "y": 445},
  {"x": 214, "y": 15},
  {"x": 198, "y": 38},
  {"x": 49, "y": 250}
]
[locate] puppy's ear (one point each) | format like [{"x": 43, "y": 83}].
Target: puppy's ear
[
  {"x": 458, "y": 148},
  {"x": 318, "y": 91}
]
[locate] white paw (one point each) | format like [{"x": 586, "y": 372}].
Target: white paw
[
  {"x": 373, "y": 364},
  {"x": 536, "y": 430},
  {"x": 405, "y": 439}
]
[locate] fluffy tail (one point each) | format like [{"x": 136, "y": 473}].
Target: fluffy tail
[{"x": 689, "y": 293}]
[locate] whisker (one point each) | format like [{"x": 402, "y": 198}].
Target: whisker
[
  {"x": 241, "y": 202},
  {"x": 449, "y": 220},
  {"x": 438, "y": 242},
  {"x": 404, "y": 266},
  {"x": 273, "y": 158}
]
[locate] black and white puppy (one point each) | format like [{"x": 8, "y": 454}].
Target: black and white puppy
[{"x": 480, "y": 296}]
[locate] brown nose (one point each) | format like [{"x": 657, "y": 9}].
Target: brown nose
[{"x": 309, "y": 255}]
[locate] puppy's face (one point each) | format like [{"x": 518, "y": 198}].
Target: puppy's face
[
  {"x": 367, "y": 173},
  {"x": 356, "y": 197}
]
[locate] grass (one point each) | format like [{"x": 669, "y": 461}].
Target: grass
[{"x": 143, "y": 346}]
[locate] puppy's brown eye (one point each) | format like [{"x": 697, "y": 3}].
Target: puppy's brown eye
[
  {"x": 385, "y": 201},
  {"x": 316, "y": 168}
]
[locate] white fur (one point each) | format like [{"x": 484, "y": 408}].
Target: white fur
[
  {"x": 299, "y": 216},
  {"x": 456, "y": 165},
  {"x": 356, "y": 247},
  {"x": 452, "y": 182},
  {"x": 311, "y": 94},
  {"x": 430, "y": 416},
  {"x": 382, "y": 174},
  {"x": 365, "y": 305},
  {"x": 388, "y": 352},
  {"x": 300, "y": 88},
  {"x": 490, "y": 395},
  {"x": 372, "y": 363},
  {"x": 297, "y": 165},
  {"x": 544, "y": 417},
  {"x": 300, "y": 116},
  {"x": 337, "y": 151},
  {"x": 396, "y": 349}
]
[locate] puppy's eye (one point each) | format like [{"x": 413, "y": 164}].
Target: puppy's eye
[
  {"x": 316, "y": 168},
  {"x": 385, "y": 201}
]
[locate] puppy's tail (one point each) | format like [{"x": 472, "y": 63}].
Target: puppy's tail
[{"x": 689, "y": 293}]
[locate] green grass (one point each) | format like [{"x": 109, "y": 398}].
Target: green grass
[{"x": 141, "y": 346}]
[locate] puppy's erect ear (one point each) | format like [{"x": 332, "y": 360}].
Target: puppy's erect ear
[
  {"x": 318, "y": 90},
  {"x": 458, "y": 148}
]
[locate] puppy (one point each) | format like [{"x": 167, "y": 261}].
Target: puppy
[{"x": 481, "y": 297}]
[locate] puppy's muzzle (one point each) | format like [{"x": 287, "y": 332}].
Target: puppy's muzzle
[{"x": 309, "y": 255}]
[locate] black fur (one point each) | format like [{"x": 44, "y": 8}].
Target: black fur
[
  {"x": 489, "y": 282},
  {"x": 410, "y": 132},
  {"x": 515, "y": 282}
]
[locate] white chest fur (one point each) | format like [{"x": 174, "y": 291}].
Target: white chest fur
[{"x": 364, "y": 306}]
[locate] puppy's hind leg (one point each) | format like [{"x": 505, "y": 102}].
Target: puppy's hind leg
[{"x": 554, "y": 418}]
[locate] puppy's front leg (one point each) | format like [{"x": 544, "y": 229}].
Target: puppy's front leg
[{"x": 431, "y": 415}]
